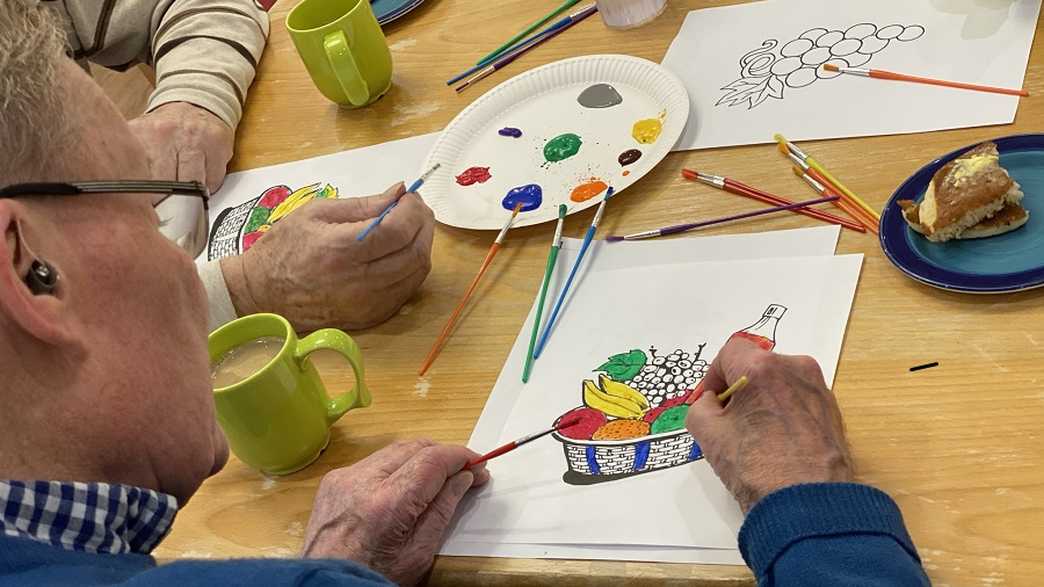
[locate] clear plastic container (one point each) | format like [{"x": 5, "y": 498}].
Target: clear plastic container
[{"x": 629, "y": 14}]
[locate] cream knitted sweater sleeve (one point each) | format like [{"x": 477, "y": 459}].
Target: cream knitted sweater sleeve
[{"x": 204, "y": 51}]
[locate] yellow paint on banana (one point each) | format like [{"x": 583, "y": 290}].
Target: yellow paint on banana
[
  {"x": 622, "y": 390},
  {"x": 293, "y": 202},
  {"x": 616, "y": 407}
]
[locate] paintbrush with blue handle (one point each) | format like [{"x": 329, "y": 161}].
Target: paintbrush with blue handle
[
  {"x": 412, "y": 189},
  {"x": 572, "y": 274}
]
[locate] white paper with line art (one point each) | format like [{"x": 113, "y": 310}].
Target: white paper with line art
[
  {"x": 629, "y": 482},
  {"x": 755, "y": 69}
]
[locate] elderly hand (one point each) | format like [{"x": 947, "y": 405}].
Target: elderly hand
[
  {"x": 783, "y": 429},
  {"x": 311, "y": 269},
  {"x": 185, "y": 143},
  {"x": 390, "y": 510}
]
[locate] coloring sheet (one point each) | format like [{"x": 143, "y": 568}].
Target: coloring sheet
[
  {"x": 250, "y": 202},
  {"x": 628, "y": 473},
  {"x": 755, "y": 69}
]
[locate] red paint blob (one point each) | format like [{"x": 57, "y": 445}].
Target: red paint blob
[{"x": 473, "y": 175}]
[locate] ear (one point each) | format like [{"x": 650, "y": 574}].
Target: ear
[{"x": 42, "y": 317}]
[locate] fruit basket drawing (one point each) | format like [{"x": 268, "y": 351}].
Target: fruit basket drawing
[
  {"x": 632, "y": 420},
  {"x": 236, "y": 229}
]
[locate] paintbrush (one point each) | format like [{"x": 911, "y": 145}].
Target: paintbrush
[
  {"x": 412, "y": 189},
  {"x": 786, "y": 147},
  {"x": 524, "y": 440},
  {"x": 803, "y": 169},
  {"x": 493, "y": 250},
  {"x": 735, "y": 187},
  {"x": 543, "y": 37},
  {"x": 823, "y": 190},
  {"x": 675, "y": 229},
  {"x": 902, "y": 77},
  {"x": 509, "y": 44},
  {"x": 552, "y": 258},
  {"x": 525, "y": 45},
  {"x": 588, "y": 237},
  {"x": 723, "y": 396}
]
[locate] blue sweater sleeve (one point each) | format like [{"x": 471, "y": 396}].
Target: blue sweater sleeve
[{"x": 829, "y": 534}]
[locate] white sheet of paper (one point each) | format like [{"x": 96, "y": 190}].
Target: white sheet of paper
[
  {"x": 960, "y": 40},
  {"x": 613, "y": 552},
  {"x": 358, "y": 172},
  {"x": 528, "y": 502}
]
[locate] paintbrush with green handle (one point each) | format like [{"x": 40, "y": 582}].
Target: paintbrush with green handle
[
  {"x": 539, "y": 23},
  {"x": 552, "y": 258}
]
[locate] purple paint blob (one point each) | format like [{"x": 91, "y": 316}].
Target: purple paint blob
[
  {"x": 509, "y": 131},
  {"x": 531, "y": 196}
]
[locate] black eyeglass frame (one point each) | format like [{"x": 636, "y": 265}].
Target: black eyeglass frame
[{"x": 169, "y": 188}]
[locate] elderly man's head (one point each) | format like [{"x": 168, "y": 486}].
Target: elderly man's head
[{"x": 106, "y": 378}]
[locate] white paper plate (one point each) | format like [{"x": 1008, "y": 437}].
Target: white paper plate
[{"x": 543, "y": 104}]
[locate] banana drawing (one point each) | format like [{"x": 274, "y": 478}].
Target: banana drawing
[{"x": 614, "y": 399}]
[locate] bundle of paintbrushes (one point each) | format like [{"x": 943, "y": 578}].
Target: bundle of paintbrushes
[{"x": 521, "y": 44}]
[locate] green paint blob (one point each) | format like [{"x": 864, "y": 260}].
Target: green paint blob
[
  {"x": 670, "y": 420},
  {"x": 562, "y": 147}
]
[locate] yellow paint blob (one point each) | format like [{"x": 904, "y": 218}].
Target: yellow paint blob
[{"x": 647, "y": 131}]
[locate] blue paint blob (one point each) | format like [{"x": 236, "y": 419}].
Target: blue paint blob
[
  {"x": 509, "y": 131},
  {"x": 531, "y": 196}
]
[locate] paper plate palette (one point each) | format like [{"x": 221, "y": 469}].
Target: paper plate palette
[
  {"x": 1007, "y": 263},
  {"x": 554, "y": 135}
]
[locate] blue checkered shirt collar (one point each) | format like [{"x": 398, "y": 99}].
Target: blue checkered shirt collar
[{"x": 86, "y": 517}]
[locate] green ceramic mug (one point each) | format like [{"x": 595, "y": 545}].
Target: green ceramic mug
[
  {"x": 278, "y": 419},
  {"x": 343, "y": 48}
]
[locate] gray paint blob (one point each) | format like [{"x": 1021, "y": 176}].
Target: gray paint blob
[{"x": 600, "y": 96}]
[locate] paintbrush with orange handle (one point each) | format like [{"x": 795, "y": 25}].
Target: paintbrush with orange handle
[
  {"x": 493, "y": 250},
  {"x": 902, "y": 77}
]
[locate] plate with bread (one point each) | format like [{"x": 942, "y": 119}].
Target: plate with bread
[{"x": 973, "y": 220}]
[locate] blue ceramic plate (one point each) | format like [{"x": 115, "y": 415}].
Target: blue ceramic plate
[
  {"x": 1000, "y": 264},
  {"x": 389, "y": 10}
]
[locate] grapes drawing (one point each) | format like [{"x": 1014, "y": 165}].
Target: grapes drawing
[{"x": 767, "y": 73}]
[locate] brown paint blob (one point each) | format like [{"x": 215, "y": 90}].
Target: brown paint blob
[{"x": 629, "y": 156}]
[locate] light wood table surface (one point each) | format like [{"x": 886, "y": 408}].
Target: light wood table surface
[{"x": 959, "y": 446}]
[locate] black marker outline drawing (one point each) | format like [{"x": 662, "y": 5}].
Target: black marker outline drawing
[
  {"x": 664, "y": 380},
  {"x": 766, "y": 73}
]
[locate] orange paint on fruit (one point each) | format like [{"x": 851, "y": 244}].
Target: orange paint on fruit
[{"x": 588, "y": 190}]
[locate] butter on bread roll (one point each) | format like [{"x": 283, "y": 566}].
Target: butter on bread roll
[{"x": 967, "y": 192}]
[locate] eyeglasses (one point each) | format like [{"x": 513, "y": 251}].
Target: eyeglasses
[{"x": 182, "y": 206}]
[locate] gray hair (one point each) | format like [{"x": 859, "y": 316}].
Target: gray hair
[{"x": 32, "y": 47}]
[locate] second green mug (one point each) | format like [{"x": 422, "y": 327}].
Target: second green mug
[
  {"x": 278, "y": 419},
  {"x": 344, "y": 49}
]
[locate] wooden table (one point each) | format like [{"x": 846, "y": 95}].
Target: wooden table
[{"x": 959, "y": 446}]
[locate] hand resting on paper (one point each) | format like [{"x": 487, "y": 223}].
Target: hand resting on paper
[
  {"x": 783, "y": 429},
  {"x": 311, "y": 269},
  {"x": 390, "y": 510}
]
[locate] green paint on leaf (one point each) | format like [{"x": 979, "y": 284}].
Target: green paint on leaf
[
  {"x": 258, "y": 218},
  {"x": 625, "y": 366}
]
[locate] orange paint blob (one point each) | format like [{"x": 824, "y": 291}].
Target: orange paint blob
[
  {"x": 587, "y": 190},
  {"x": 627, "y": 172}
]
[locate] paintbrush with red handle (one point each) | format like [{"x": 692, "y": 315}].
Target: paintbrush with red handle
[
  {"x": 734, "y": 187},
  {"x": 524, "y": 440}
]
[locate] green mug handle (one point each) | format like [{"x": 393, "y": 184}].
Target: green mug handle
[
  {"x": 339, "y": 55},
  {"x": 335, "y": 340}
]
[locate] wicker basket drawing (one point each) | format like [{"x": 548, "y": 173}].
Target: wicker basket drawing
[{"x": 592, "y": 461}]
